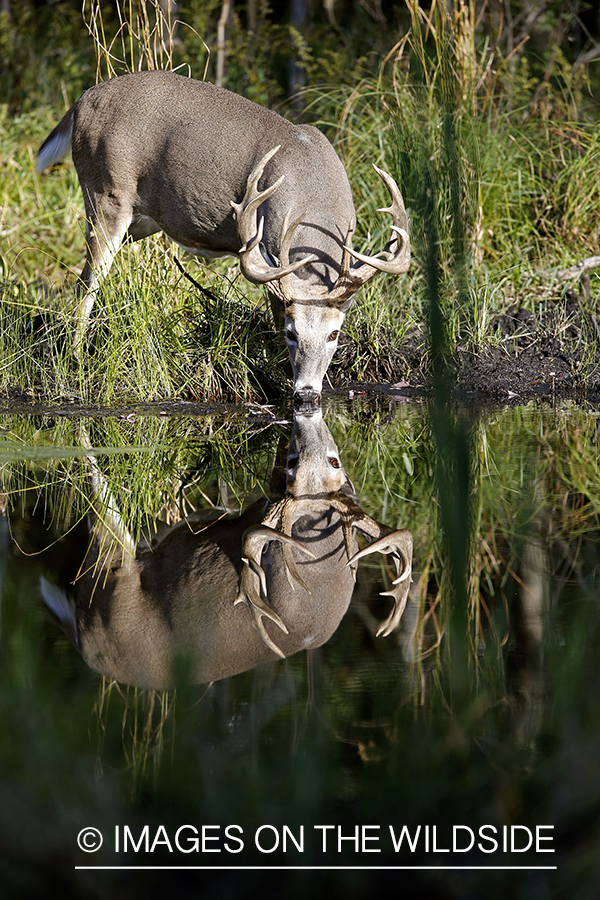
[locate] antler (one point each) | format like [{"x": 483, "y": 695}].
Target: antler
[
  {"x": 394, "y": 259},
  {"x": 250, "y": 232},
  {"x": 400, "y": 545},
  {"x": 253, "y": 582},
  {"x": 396, "y": 256}
]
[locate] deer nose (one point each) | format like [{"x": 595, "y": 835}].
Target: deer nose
[{"x": 307, "y": 396}]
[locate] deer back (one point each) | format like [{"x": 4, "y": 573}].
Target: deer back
[{"x": 179, "y": 150}]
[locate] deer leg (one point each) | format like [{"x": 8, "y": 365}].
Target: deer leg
[
  {"x": 400, "y": 545},
  {"x": 109, "y": 521},
  {"x": 107, "y": 227}
]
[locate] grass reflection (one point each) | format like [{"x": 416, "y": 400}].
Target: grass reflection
[{"x": 360, "y": 731}]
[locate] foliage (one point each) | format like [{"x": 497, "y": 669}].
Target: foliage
[
  {"x": 495, "y": 149},
  {"x": 159, "y": 339},
  {"x": 491, "y": 161}
]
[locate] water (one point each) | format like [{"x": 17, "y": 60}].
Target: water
[{"x": 472, "y": 726}]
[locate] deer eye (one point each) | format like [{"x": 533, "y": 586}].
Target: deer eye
[
  {"x": 333, "y": 336},
  {"x": 335, "y": 463},
  {"x": 291, "y": 336}
]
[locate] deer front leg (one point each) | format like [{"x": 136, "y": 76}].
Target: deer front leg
[
  {"x": 400, "y": 545},
  {"x": 109, "y": 526}
]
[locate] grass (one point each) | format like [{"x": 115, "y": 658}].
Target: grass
[
  {"x": 160, "y": 338},
  {"x": 491, "y": 176},
  {"x": 533, "y": 477},
  {"x": 493, "y": 163},
  {"x": 40, "y": 221},
  {"x": 151, "y": 463}
]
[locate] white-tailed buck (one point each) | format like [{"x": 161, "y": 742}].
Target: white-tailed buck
[
  {"x": 229, "y": 595},
  {"x": 222, "y": 176}
]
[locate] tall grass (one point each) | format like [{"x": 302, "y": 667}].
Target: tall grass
[
  {"x": 496, "y": 166},
  {"x": 152, "y": 463},
  {"x": 153, "y": 336},
  {"x": 490, "y": 160}
]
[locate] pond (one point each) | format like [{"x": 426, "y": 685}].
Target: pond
[{"x": 194, "y": 693}]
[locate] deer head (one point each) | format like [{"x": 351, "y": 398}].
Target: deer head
[{"x": 314, "y": 311}]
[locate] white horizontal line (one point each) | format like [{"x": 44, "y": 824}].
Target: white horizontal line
[{"x": 324, "y": 868}]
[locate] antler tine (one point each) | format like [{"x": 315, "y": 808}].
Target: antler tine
[
  {"x": 395, "y": 259},
  {"x": 253, "y": 581},
  {"x": 398, "y": 259},
  {"x": 252, "y": 195},
  {"x": 245, "y": 211},
  {"x": 259, "y": 625},
  {"x": 396, "y": 210},
  {"x": 288, "y": 288},
  {"x": 291, "y": 569},
  {"x": 287, "y": 233},
  {"x": 347, "y": 252},
  {"x": 400, "y": 545},
  {"x": 348, "y": 539},
  {"x": 352, "y": 516},
  {"x": 252, "y": 262}
]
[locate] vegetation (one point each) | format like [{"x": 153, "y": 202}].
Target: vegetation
[
  {"x": 483, "y": 706},
  {"x": 491, "y": 133}
]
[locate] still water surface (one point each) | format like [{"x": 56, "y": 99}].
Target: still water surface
[{"x": 139, "y": 700}]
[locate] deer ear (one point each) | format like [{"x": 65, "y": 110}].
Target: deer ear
[
  {"x": 344, "y": 306},
  {"x": 349, "y": 490}
]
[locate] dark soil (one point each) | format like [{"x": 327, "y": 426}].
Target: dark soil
[{"x": 555, "y": 355}]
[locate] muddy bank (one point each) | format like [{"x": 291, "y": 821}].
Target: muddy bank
[{"x": 554, "y": 355}]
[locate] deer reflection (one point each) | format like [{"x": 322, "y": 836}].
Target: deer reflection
[{"x": 235, "y": 593}]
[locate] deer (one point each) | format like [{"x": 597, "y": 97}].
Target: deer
[
  {"x": 225, "y": 596},
  {"x": 155, "y": 151}
]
